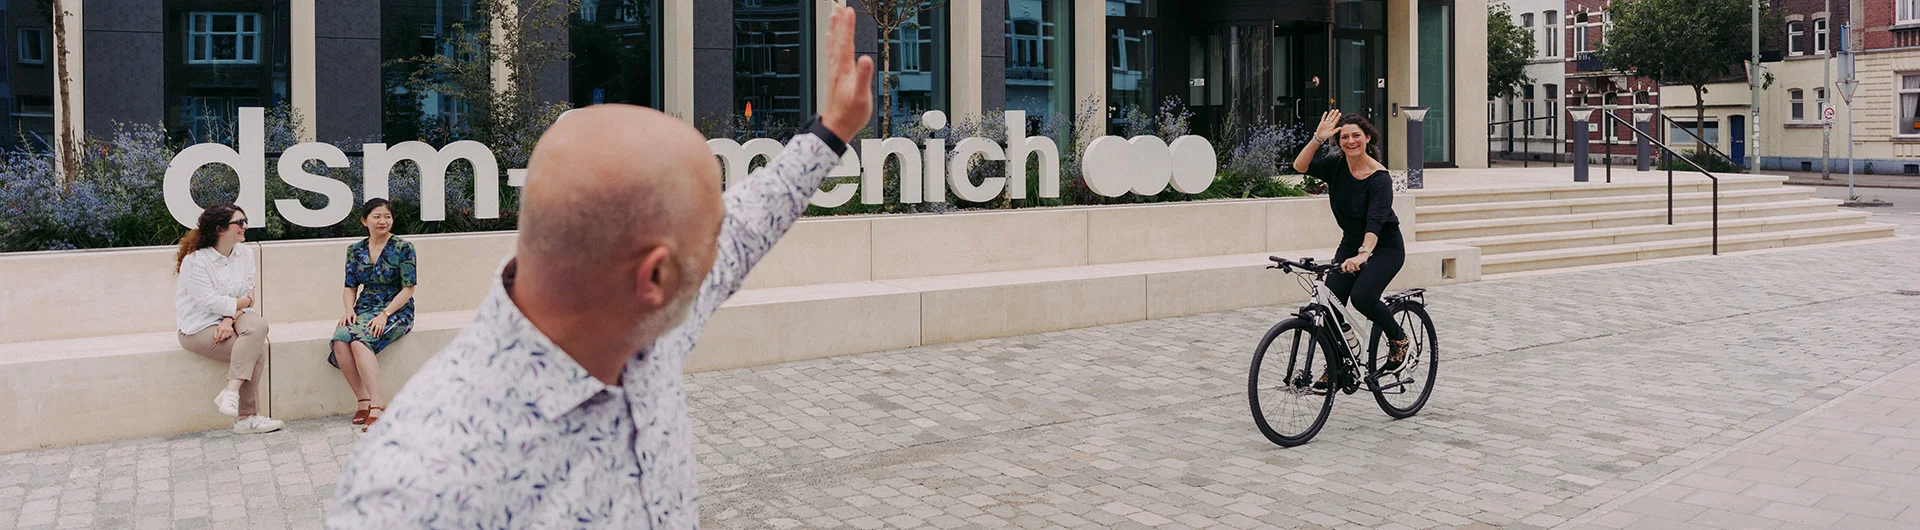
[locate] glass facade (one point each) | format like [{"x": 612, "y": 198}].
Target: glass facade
[
  {"x": 1040, "y": 59},
  {"x": 413, "y": 30},
  {"x": 221, "y": 56},
  {"x": 920, "y": 65},
  {"x": 773, "y": 63},
  {"x": 1131, "y": 45},
  {"x": 1436, "y": 82},
  {"x": 616, "y": 53},
  {"x": 27, "y": 69}
]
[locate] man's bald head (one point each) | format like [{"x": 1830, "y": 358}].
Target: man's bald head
[{"x": 608, "y": 181}]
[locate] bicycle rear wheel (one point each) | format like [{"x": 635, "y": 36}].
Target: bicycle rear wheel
[
  {"x": 1404, "y": 391},
  {"x": 1280, "y": 387}
]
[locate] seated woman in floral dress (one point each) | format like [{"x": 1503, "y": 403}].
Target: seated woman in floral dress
[{"x": 379, "y": 306}]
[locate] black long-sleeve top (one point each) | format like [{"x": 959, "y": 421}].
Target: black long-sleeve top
[{"x": 1360, "y": 206}]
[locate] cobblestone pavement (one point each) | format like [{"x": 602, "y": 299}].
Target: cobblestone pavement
[{"x": 1575, "y": 399}]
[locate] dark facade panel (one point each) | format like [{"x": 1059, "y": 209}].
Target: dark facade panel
[
  {"x": 993, "y": 55},
  {"x": 352, "y": 19},
  {"x": 712, "y": 84},
  {"x": 347, "y": 95},
  {"x": 1255, "y": 10},
  {"x": 122, "y": 15},
  {"x": 111, "y": 59},
  {"x": 712, "y": 60},
  {"x": 347, "y": 89}
]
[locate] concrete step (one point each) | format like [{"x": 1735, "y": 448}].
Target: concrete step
[
  {"x": 1463, "y": 212},
  {"x": 1623, "y": 252},
  {"x": 1508, "y": 244},
  {"x": 1575, "y": 190},
  {"x": 1452, "y": 230}
]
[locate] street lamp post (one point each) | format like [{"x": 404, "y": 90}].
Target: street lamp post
[
  {"x": 1416, "y": 146},
  {"x": 1643, "y": 120},
  {"x": 1847, "y": 84},
  {"x": 1580, "y": 115}
]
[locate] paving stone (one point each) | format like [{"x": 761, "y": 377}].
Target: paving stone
[{"x": 1561, "y": 398}]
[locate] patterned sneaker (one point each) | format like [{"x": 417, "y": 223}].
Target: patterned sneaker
[
  {"x": 228, "y": 402},
  {"x": 257, "y": 424},
  {"x": 1396, "y": 355}
]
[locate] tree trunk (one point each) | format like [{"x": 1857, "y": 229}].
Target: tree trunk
[
  {"x": 1700, "y": 116},
  {"x": 886, "y": 82},
  {"x": 69, "y": 148}
]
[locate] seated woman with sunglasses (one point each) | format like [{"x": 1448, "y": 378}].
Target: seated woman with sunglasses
[{"x": 214, "y": 309}]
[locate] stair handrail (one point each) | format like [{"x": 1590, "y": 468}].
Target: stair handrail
[
  {"x": 1526, "y": 146},
  {"x": 1671, "y": 154},
  {"x": 1697, "y": 140}
]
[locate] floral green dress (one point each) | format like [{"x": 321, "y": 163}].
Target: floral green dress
[{"x": 381, "y": 280}]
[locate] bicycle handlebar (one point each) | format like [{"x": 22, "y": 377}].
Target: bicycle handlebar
[{"x": 1305, "y": 264}]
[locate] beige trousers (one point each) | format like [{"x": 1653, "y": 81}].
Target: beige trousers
[{"x": 242, "y": 354}]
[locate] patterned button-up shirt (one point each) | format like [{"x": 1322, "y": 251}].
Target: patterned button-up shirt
[{"x": 504, "y": 430}]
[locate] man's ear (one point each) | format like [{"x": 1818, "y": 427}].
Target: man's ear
[{"x": 652, "y": 280}]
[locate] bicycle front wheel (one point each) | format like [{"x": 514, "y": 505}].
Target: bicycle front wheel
[
  {"x": 1280, "y": 385},
  {"x": 1404, "y": 391}
]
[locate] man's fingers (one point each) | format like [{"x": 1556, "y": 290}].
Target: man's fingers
[{"x": 864, "y": 74}]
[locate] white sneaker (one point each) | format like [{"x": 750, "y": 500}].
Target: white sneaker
[
  {"x": 228, "y": 401},
  {"x": 257, "y": 424}
]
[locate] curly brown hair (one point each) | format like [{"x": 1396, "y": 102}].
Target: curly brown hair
[
  {"x": 207, "y": 234},
  {"x": 1366, "y": 127}
]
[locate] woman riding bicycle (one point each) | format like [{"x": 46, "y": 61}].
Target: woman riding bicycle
[{"x": 1361, "y": 193}]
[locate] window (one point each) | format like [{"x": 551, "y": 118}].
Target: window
[
  {"x": 1553, "y": 110},
  {"x": 1796, "y": 105},
  {"x": 1552, "y": 22},
  {"x": 211, "y": 119},
  {"x": 920, "y": 65},
  {"x": 33, "y": 46},
  {"x": 223, "y": 38},
  {"x": 1038, "y": 57},
  {"x": 1580, "y": 33},
  {"x": 1131, "y": 37},
  {"x": 1906, "y": 11},
  {"x": 772, "y": 54},
  {"x": 616, "y": 52},
  {"x": 1796, "y": 33},
  {"x": 1526, "y": 21},
  {"x": 1682, "y": 133},
  {"x": 1820, "y": 36},
  {"x": 1526, "y": 105}
]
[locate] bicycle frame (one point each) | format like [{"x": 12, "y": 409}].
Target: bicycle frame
[{"x": 1329, "y": 315}]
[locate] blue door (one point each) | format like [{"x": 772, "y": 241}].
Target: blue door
[{"x": 1737, "y": 125}]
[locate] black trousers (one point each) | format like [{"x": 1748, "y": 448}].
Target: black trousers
[{"x": 1363, "y": 289}]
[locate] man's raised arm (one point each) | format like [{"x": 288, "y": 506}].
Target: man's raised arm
[{"x": 761, "y": 207}]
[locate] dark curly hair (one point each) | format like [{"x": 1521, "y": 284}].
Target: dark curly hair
[
  {"x": 207, "y": 234},
  {"x": 1366, "y": 127}
]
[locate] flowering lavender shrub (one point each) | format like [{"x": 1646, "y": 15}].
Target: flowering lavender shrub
[{"x": 116, "y": 200}]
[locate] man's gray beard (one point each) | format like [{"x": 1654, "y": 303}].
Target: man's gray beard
[{"x": 675, "y": 312}]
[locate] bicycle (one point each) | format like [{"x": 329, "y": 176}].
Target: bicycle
[{"x": 1283, "y": 406}]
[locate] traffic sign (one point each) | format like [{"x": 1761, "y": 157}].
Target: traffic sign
[{"x": 1826, "y": 113}]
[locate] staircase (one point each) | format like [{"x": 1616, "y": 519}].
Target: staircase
[{"x": 1534, "y": 227}]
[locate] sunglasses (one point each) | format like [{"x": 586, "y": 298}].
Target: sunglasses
[{"x": 241, "y": 222}]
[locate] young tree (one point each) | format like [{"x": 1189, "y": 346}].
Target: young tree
[
  {"x": 493, "y": 66},
  {"x": 1690, "y": 42},
  {"x": 1508, "y": 48},
  {"x": 889, "y": 16}
]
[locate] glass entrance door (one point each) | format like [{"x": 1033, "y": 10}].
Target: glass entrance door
[
  {"x": 1360, "y": 86},
  {"x": 1300, "y": 75}
]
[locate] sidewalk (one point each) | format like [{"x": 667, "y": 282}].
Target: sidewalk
[
  {"x": 1849, "y": 464},
  {"x": 1860, "y": 180}
]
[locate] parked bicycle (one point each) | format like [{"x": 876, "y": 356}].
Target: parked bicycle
[{"x": 1292, "y": 395}]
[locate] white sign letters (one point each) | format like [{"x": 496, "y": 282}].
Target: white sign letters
[{"x": 929, "y": 172}]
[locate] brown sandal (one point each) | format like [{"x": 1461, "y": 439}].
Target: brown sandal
[
  {"x": 360, "y": 416},
  {"x": 371, "y": 418}
]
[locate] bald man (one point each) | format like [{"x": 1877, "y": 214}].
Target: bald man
[{"x": 562, "y": 405}]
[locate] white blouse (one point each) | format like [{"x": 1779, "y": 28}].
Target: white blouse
[{"x": 209, "y": 286}]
